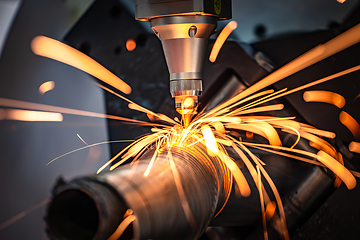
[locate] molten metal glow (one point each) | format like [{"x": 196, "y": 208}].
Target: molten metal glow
[
  {"x": 50, "y": 48},
  {"x": 46, "y": 86},
  {"x": 188, "y": 102},
  {"x": 32, "y": 116},
  {"x": 348, "y": 121},
  {"x": 210, "y": 141},
  {"x": 325, "y": 97},
  {"x": 224, "y": 34}
]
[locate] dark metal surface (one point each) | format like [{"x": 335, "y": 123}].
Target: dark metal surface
[{"x": 147, "y": 9}]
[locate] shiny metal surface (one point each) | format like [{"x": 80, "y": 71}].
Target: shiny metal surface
[
  {"x": 184, "y": 40},
  {"x": 159, "y": 207},
  {"x": 185, "y": 87}
]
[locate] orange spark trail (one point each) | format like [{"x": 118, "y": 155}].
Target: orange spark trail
[
  {"x": 348, "y": 121},
  {"x": 46, "y": 86},
  {"x": 82, "y": 139},
  {"x": 354, "y": 147},
  {"x": 23, "y": 214},
  {"x": 337, "y": 44},
  {"x": 224, "y": 34},
  {"x": 137, "y": 107},
  {"x": 325, "y": 97},
  {"x": 262, "y": 203},
  {"x": 121, "y": 228},
  {"x": 323, "y": 157},
  {"x": 42, "y": 107},
  {"x": 30, "y": 116},
  {"x": 50, "y": 48}
]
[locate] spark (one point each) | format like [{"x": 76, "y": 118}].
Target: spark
[
  {"x": 262, "y": 203},
  {"x": 354, "y": 147},
  {"x": 325, "y": 97},
  {"x": 51, "y": 48},
  {"x": 348, "y": 121},
  {"x": 337, "y": 44},
  {"x": 270, "y": 210},
  {"x": 88, "y": 146},
  {"x": 46, "y": 86},
  {"x": 82, "y": 139},
  {"x": 224, "y": 34},
  {"x": 130, "y": 45},
  {"x": 214, "y": 129},
  {"x": 5, "y": 102},
  {"x": 30, "y": 116},
  {"x": 121, "y": 228},
  {"x": 23, "y": 214}
]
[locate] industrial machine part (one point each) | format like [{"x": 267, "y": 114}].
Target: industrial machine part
[
  {"x": 233, "y": 64},
  {"x": 184, "y": 29},
  {"x": 93, "y": 207}
]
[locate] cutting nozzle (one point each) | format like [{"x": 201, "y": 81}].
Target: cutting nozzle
[{"x": 184, "y": 39}]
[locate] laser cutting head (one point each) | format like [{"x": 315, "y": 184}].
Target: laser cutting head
[{"x": 184, "y": 28}]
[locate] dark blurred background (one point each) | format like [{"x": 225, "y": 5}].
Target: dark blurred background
[{"x": 26, "y": 147}]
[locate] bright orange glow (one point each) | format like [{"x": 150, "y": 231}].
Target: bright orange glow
[
  {"x": 224, "y": 34},
  {"x": 338, "y": 180},
  {"x": 262, "y": 203},
  {"x": 270, "y": 210},
  {"x": 319, "y": 132},
  {"x": 33, "y": 116},
  {"x": 354, "y": 147},
  {"x": 337, "y": 44},
  {"x": 338, "y": 169},
  {"x": 48, "y": 108},
  {"x": 218, "y": 129},
  {"x": 50, "y": 48},
  {"x": 341, "y": 1},
  {"x": 46, "y": 86},
  {"x": 130, "y": 45},
  {"x": 237, "y": 174},
  {"x": 121, "y": 228},
  {"x": 325, "y": 97},
  {"x": 210, "y": 140},
  {"x": 188, "y": 102},
  {"x": 348, "y": 121}
]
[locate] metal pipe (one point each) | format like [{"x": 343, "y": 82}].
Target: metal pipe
[{"x": 161, "y": 211}]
